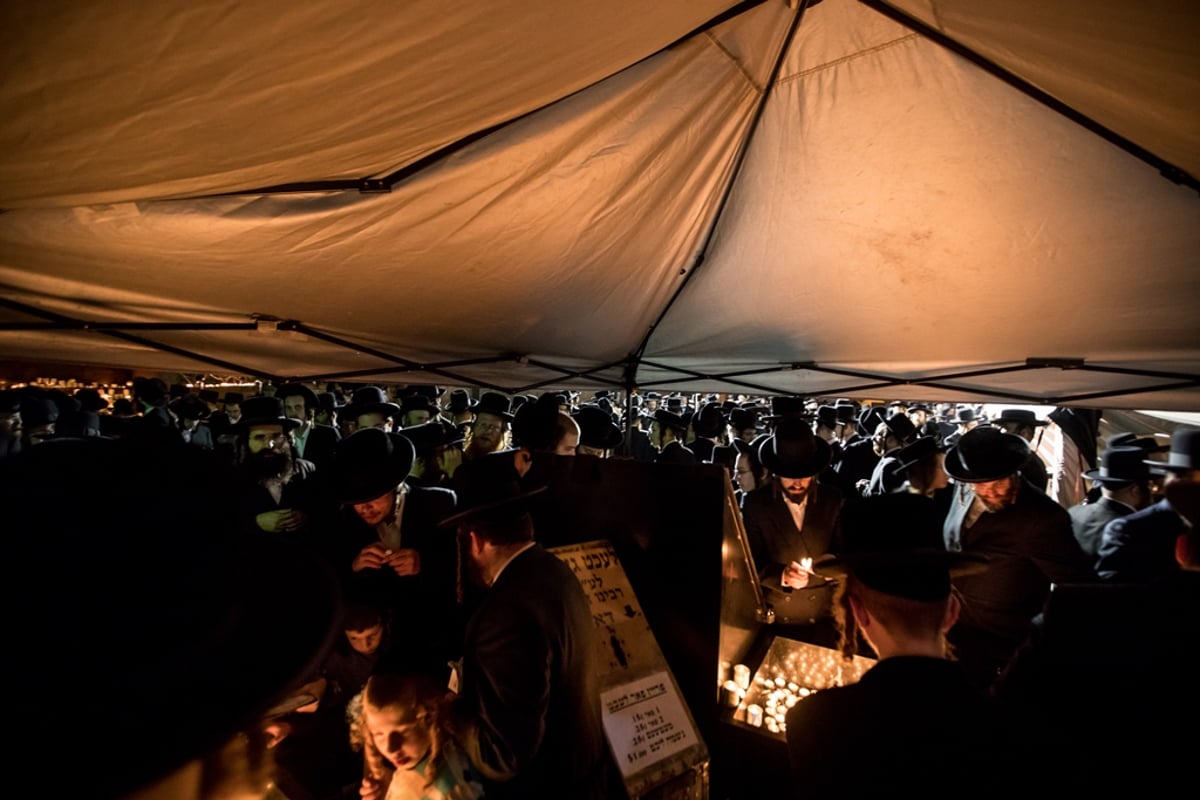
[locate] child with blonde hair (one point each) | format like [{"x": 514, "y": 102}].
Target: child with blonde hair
[{"x": 409, "y": 751}]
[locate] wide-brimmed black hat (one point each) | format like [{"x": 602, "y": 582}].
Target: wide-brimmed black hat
[
  {"x": 967, "y": 414},
  {"x": 669, "y": 419},
  {"x": 1021, "y": 416},
  {"x": 794, "y": 451},
  {"x": 369, "y": 463},
  {"x": 921, "y": 449},
  {"x": 491, "y": 491},
  {"x": 460, "y": 401},
  {"x": 893, "y": 544},
  {"x": 419, "y": 402},
  {"x": 369, "y": 400},
  {"x": 234, "y": 397},
  {"x": 495, "y": 404},
  {"x": 264, "y": 410},
  {"x": 1120, "y": 465},
  {"x": 869, "y": 419},
  {"x": 786, "y": 405},
  {"x": 177, "y": 642},
  {"x": 901, "y": 427},
  {"x": 1128, "y": 439},
  {"x": 827, "y": 416},
  {"x": 328, "y": 402},
  {"x": 191, "y": 407},
  {"x": 293, "y": 389},
  {"x": 741, "y": 419},
  {"x": 596, "y": 428},
  {"x": 1184, "y": 454},
  {"x": 434, "y": 433},
  {"x": 709, "y": 421},
  {"x": 986, "y": 454}
]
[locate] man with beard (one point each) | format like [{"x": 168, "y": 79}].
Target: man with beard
[
  {"x": 791, "y": 521},
  {"x": 279, "y": 496},
  {"x": 314, "y": 442},
  {"x": 1026, "y": 536},
  {"x": 492, "y": 416}
]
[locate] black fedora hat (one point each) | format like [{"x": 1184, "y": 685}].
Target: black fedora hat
[
  {"x": 435, "y": 433},
  {"x": 328, "y": 402},
  {"x": 967, "y": 414},
  {"x": 669, "y": 419},
  {"x": 794, "y": 451},
  {"x": 191, "y": 407},
  {"x": 419, "y": 402},
  {"x": 294, "y": 389},
  {"x": 893, "y": 544},
  {"x": 1184, "y": 454},
  {"x": 369, "y": 463},
  {"x": 1021, "y": 416},
  {"x": 264, "y": 410},
  {"x": 234, "y": 397},
  {"x": 709, "y": 421},
  {"x": 369, "y": 400},
  {"x": 743, "y": 418},
  {"x": 827, "y": 416},
  {"x": 785, "y": 405},
  {"x": 919, "y": 450},
  {"x": 596, "y": 428},
  {"x": 177, "y": 642},
  {"x": 1120, "y": 465},
  {"x": 901, "y": 427},
  {"x": 986, "y": 454},
  {"x": 869, "y": 419},
  {"x": 460, "y": 401},
  {"x": 493, "y": 403},
  {"x": 492, "y": 492}
]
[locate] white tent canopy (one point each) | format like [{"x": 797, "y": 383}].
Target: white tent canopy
[{"x": 976, "y": 199}]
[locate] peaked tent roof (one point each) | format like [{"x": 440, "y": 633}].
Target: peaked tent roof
[{"x": 983, "y": 199}]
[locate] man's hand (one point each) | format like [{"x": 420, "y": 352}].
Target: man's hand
[
  {"x": 795, "y": 576},
  {"x": 373, "y": 556},
  {"x": 404, "y": 561},
  {"x": 284, "y": 520}
]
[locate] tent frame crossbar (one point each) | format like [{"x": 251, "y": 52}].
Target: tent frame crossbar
[{"x": 1163, "y": 380}]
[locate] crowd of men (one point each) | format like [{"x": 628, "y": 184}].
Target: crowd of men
[{"x": 414, "y": 498}]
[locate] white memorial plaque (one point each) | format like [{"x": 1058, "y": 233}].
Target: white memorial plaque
[{"x": 646, "y": 722}]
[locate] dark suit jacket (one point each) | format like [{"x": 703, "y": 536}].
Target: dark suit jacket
[
  {"x": 675, "y": 453},
  {"x": 1089, "y": 519},
  {"x": 425, "y": 607},
  {"x": 858, "y": 461},
  {"x": 1030, "y": 545},
  {"x": 531, "y": 680},
  {"x": 1140, "y": 546},
  {"x": 911, "y": 727},
  {"x": 319, "y": 447},
  {"x": 775, "y": 542}
]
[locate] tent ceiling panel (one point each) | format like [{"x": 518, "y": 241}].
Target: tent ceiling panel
[
  {"x": 900, "y": 204},
  {"x": 579, "y": 206},
  {"x": 107, "y": 102},
  {"x": 1104, "y": 60}
]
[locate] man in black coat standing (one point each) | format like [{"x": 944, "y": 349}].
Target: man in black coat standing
[
  {"x": 793, "y": 518},
  {"x": 1026, "y": 535},
  {"x": 529, "y": 699},
  {"x": 1124, "y": 482}
]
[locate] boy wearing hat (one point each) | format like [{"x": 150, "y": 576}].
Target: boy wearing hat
[
  {"x": 1027, "y": 536},
  {"x": 913, "y": 725},
  {"x": 1140, "y": 547}
]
